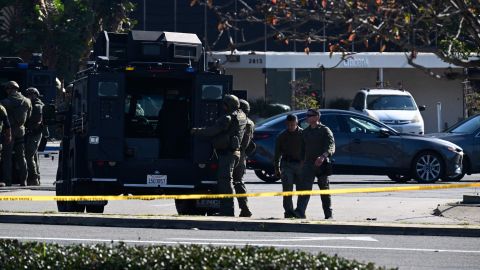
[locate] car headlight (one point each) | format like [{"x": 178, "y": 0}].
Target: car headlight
[
  {"x": 416, "y": 119},
  {"x": 453, "y": 149}
]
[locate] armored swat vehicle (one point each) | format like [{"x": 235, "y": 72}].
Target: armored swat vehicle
[
  {"x": 29, "y": 74},
  {"x": 127, "y": 128}
]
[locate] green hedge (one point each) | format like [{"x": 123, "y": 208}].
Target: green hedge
[{"x": 34, "y": 255}]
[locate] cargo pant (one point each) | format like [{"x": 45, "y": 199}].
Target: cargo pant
[
  {"x": 291, "y": 175},
  {"x": 17, "y": 145},
  {"x": 238, "y": 184},
  {"x": 32, "y": 141},
  {"x": 309, "y": 172},
  {"x": 226, "y": 164}
]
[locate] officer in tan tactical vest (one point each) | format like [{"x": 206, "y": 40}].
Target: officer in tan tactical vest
[
  {"x": 239, "y": 170},
  {"x": 18, "y": 109},
  {"x": 34, "y": 130},
  {"x": 7, "y": 134},
  {"x": 227, "y": 134}
]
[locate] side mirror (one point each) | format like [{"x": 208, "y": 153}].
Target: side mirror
[
  {"x": 422, "y": 108},
  {"x": 384, "y": 133}
]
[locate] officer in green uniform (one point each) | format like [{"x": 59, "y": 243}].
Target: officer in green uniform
[
  {"x": 288, "y": 149},
  {"x": 18, "y": 109},
  {"x": 239, "y": 171},
  {"x": 7, "y": 134},
  {"x": 318, "y": 145},
  {"x": 34, "y": 130},
  {"x": 226, "y": 134}
]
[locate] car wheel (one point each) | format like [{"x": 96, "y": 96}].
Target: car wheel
[
  {"x": 427, "y": 167},
  {"x": 266, "y": 176},
  {"x": 399, "y": 178}
]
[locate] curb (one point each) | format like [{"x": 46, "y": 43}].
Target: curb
[{"x": 237, "y": 224}]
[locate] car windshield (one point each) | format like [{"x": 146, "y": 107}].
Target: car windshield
[
  {"x": 390, "y": 102},
  {"x": 469, "y": 125}
]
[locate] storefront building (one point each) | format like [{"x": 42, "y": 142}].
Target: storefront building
[{"x": 267, "y": 75}]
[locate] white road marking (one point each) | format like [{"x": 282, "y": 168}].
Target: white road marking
[
  {"x": 237, "y": 244},
  {"x": 354, "y": 238}
]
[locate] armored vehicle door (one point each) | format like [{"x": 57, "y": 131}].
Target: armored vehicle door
[
  {"x": 106, "y": 103},
  {"x": 209, "y": 91}
]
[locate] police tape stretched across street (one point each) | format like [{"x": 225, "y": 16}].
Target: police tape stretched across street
[{"x": 223, "y": 196}]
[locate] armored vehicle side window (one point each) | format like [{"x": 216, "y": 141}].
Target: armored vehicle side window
[
  {"x": 212, "y": 92},
  {"x": 151, "y": 49},
  {"x": 108, "y": 89}
]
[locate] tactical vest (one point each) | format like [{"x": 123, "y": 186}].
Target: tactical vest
[
  {"x": 247, "y": 136},
  {"x": 18, "y": 109},
  {"x": 236, "y": 129}
]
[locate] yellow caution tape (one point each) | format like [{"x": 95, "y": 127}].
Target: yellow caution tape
[{"x": 223, "y": 196}]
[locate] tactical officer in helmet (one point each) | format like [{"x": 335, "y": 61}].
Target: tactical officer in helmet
[
  {"x": 18, "y": 109},
  {"x": 239, "y": 171},
  {"x": 34, "y": 130},
  {"x": 227, "y": 134}
]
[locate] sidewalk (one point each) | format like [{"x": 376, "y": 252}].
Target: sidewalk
[{"x": 353, "y": 214}]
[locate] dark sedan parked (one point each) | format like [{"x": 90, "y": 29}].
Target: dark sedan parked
[
  {"x": 365, "y": 146},
  {"x": 466, "y": 134}
]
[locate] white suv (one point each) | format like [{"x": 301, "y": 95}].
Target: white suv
[{"x": 395, "y": 108}]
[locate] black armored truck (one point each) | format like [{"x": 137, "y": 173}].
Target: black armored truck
[
  {"x": 126, "y": 127},
  {"x": 29, "y": 74}
]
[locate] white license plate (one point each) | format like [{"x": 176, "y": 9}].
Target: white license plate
[{"x": 156, "y": 179}]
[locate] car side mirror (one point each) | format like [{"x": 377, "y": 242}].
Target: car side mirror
[
  {"x": 422, "y": 108},
  {"x": 384, "y": 133}
]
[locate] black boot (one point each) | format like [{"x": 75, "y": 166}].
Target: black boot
[{"x": 245, "y": 213}]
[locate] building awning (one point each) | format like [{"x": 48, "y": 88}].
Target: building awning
[{"x": 280, "y": 60}]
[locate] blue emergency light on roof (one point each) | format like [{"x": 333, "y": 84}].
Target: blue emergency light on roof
[
  {"x": 22, "y": 65},
  {"x": 190, "y": 69}
]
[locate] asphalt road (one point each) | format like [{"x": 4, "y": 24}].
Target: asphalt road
[
  {"x": 409, "y": 207},
  {"x": 405, "y": 252}
]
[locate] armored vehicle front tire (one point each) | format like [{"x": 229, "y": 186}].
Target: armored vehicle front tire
[
  {"x": 65, "y": 189},
  {"x": 95, "y": 208},
  {"x": 188, "y": 207}
]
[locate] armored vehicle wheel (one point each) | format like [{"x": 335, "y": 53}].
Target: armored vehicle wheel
[
  {"x": 188, "y": 207},
  {"x": 65, "y": 189},
  {"x": 95, "y": 208},
  {"x": 266, "y": 176}
]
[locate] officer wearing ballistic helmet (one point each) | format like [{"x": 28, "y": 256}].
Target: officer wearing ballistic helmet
[
  {"x": 18, "y": 109},
  {"x": 227, "y": 134},
  {"x": 34, "y": 130},
  {"x": 239, "y": 171}
]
